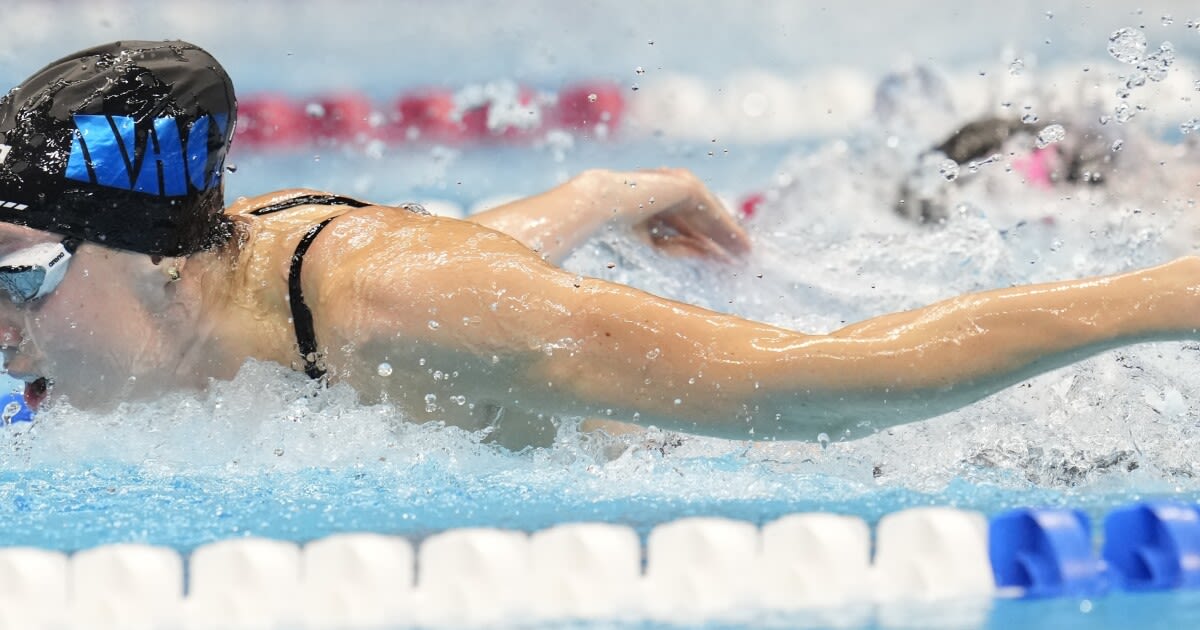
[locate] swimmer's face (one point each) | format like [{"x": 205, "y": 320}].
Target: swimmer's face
[{"x": 91, "y": 336}]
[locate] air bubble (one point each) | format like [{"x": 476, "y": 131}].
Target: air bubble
[
  {"x": 384, "y": 369},
  {"x": 948, "y": 169},
  {"x": 1123, "y": 112},
  {"x": 1051, "y": 135},
  {"x": 430, "y": 403},
  {"x": 823, "y": 440},
  {"x": 314, "y": 110},
  {"x": 1127, "y": 45},
  {"x": 653, "y": 354},
  {"x": 433, "y": 325},
  {"x": 592, "y": 98}
]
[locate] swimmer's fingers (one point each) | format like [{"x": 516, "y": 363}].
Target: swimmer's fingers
[
  {"x": 677, "y": 238},
  {"x": 715, "y": 221},
  {"x": 709, "y": 223}
]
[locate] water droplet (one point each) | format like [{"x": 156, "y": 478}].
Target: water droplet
[
  {"x": 639, "y": 70},
  {"x": 279, "y": 452},
  {"x": 384, "y": 369},
  {"x": 1029, "y": 118},
  {"x": 1117, "y": 144},
  {"x": 1016, "y": 67},
  {"x": 1188, "y": 126},
  {"x": 1167, "y": 20},
  {"x": 949, "y": 169},
  {"x": 1123, "y": 112},
  {"x": 1049, "y": 15},
  {"x": 592, "y": 98},
  {"x": 678, "y": 401},
  {"x": 1127, "y": 45},
  {"x": 653, "y": 354},
  {"x": 232, "y": 168},
  {"x": 315, "y": 110},
  {"x": 433, "y": 325},
  {"x": 634, "y": 87},
  {"x": 1056, "y": 245},
  {"x": 1050, "y": 135},
  {"x": 823, "y": 440}
]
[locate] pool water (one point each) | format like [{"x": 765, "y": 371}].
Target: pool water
[{"x": 262, "y": 456}]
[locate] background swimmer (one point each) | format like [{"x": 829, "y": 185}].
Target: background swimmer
[{"x": 465, "y": 319}]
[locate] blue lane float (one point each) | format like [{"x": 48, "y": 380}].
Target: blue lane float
[
  {"x": 1153, "y": 546},
  {"x": 1045, "y": 553}
]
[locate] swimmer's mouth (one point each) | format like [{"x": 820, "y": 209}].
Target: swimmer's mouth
[{"x": 36, "y": 392}]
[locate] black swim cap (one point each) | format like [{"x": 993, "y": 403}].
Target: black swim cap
[{"x": 122, "y": 145}]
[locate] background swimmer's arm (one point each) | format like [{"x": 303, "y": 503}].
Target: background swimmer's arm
[{"x": 670, "y": 207}]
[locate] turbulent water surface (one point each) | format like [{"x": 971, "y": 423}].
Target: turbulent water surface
[{"x": 262, "y": 455}]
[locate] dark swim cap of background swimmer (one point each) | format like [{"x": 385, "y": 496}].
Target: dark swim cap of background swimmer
[{"x": 122, "y": 145}]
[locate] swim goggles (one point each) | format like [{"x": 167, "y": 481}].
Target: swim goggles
[{"x": 33, "y": 272}]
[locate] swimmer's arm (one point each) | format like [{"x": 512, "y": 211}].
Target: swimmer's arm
[
  {"x": 511, "y": 330},
  {"x": 670, "y": 207}
]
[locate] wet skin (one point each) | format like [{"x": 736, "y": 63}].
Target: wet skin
[{"x": 475, "y": 321}]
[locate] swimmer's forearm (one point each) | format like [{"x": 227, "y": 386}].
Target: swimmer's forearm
[
  {"x": 719, "y": 375},
  {"x": 559, "y": 220}
]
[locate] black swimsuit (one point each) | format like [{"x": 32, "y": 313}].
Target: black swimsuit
[{"x": 302, "y": 320}]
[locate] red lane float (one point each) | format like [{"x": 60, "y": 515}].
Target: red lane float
[
  {"x": 343, "y": 118},
  {"x": 482, "y": 114},
  {"x": 591, "y": 108},
  {"x": 502, "y": 113},
  {"x": 270, "y": 121},
  {"x": 428, "y": 115},
  {"x": 750, "y": 204}
]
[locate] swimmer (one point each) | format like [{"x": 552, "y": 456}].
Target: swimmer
[
  {"x": 125, "y": 277},
  {"x": 1082, "y": 158}
]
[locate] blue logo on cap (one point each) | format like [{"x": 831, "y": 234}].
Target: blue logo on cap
[{"x": 104, "y": 151}]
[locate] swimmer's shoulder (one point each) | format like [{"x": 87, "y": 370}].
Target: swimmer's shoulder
[
  {"x": 306, "y": 204},
  {"x": 289, "y": 198}
]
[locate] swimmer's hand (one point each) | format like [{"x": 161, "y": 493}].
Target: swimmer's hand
[{"x": 682, "y": 217}]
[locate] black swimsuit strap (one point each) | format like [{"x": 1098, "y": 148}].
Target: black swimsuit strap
[
  {"x": 302, "y": 319},
  {"x": 309, "y": 200}
]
